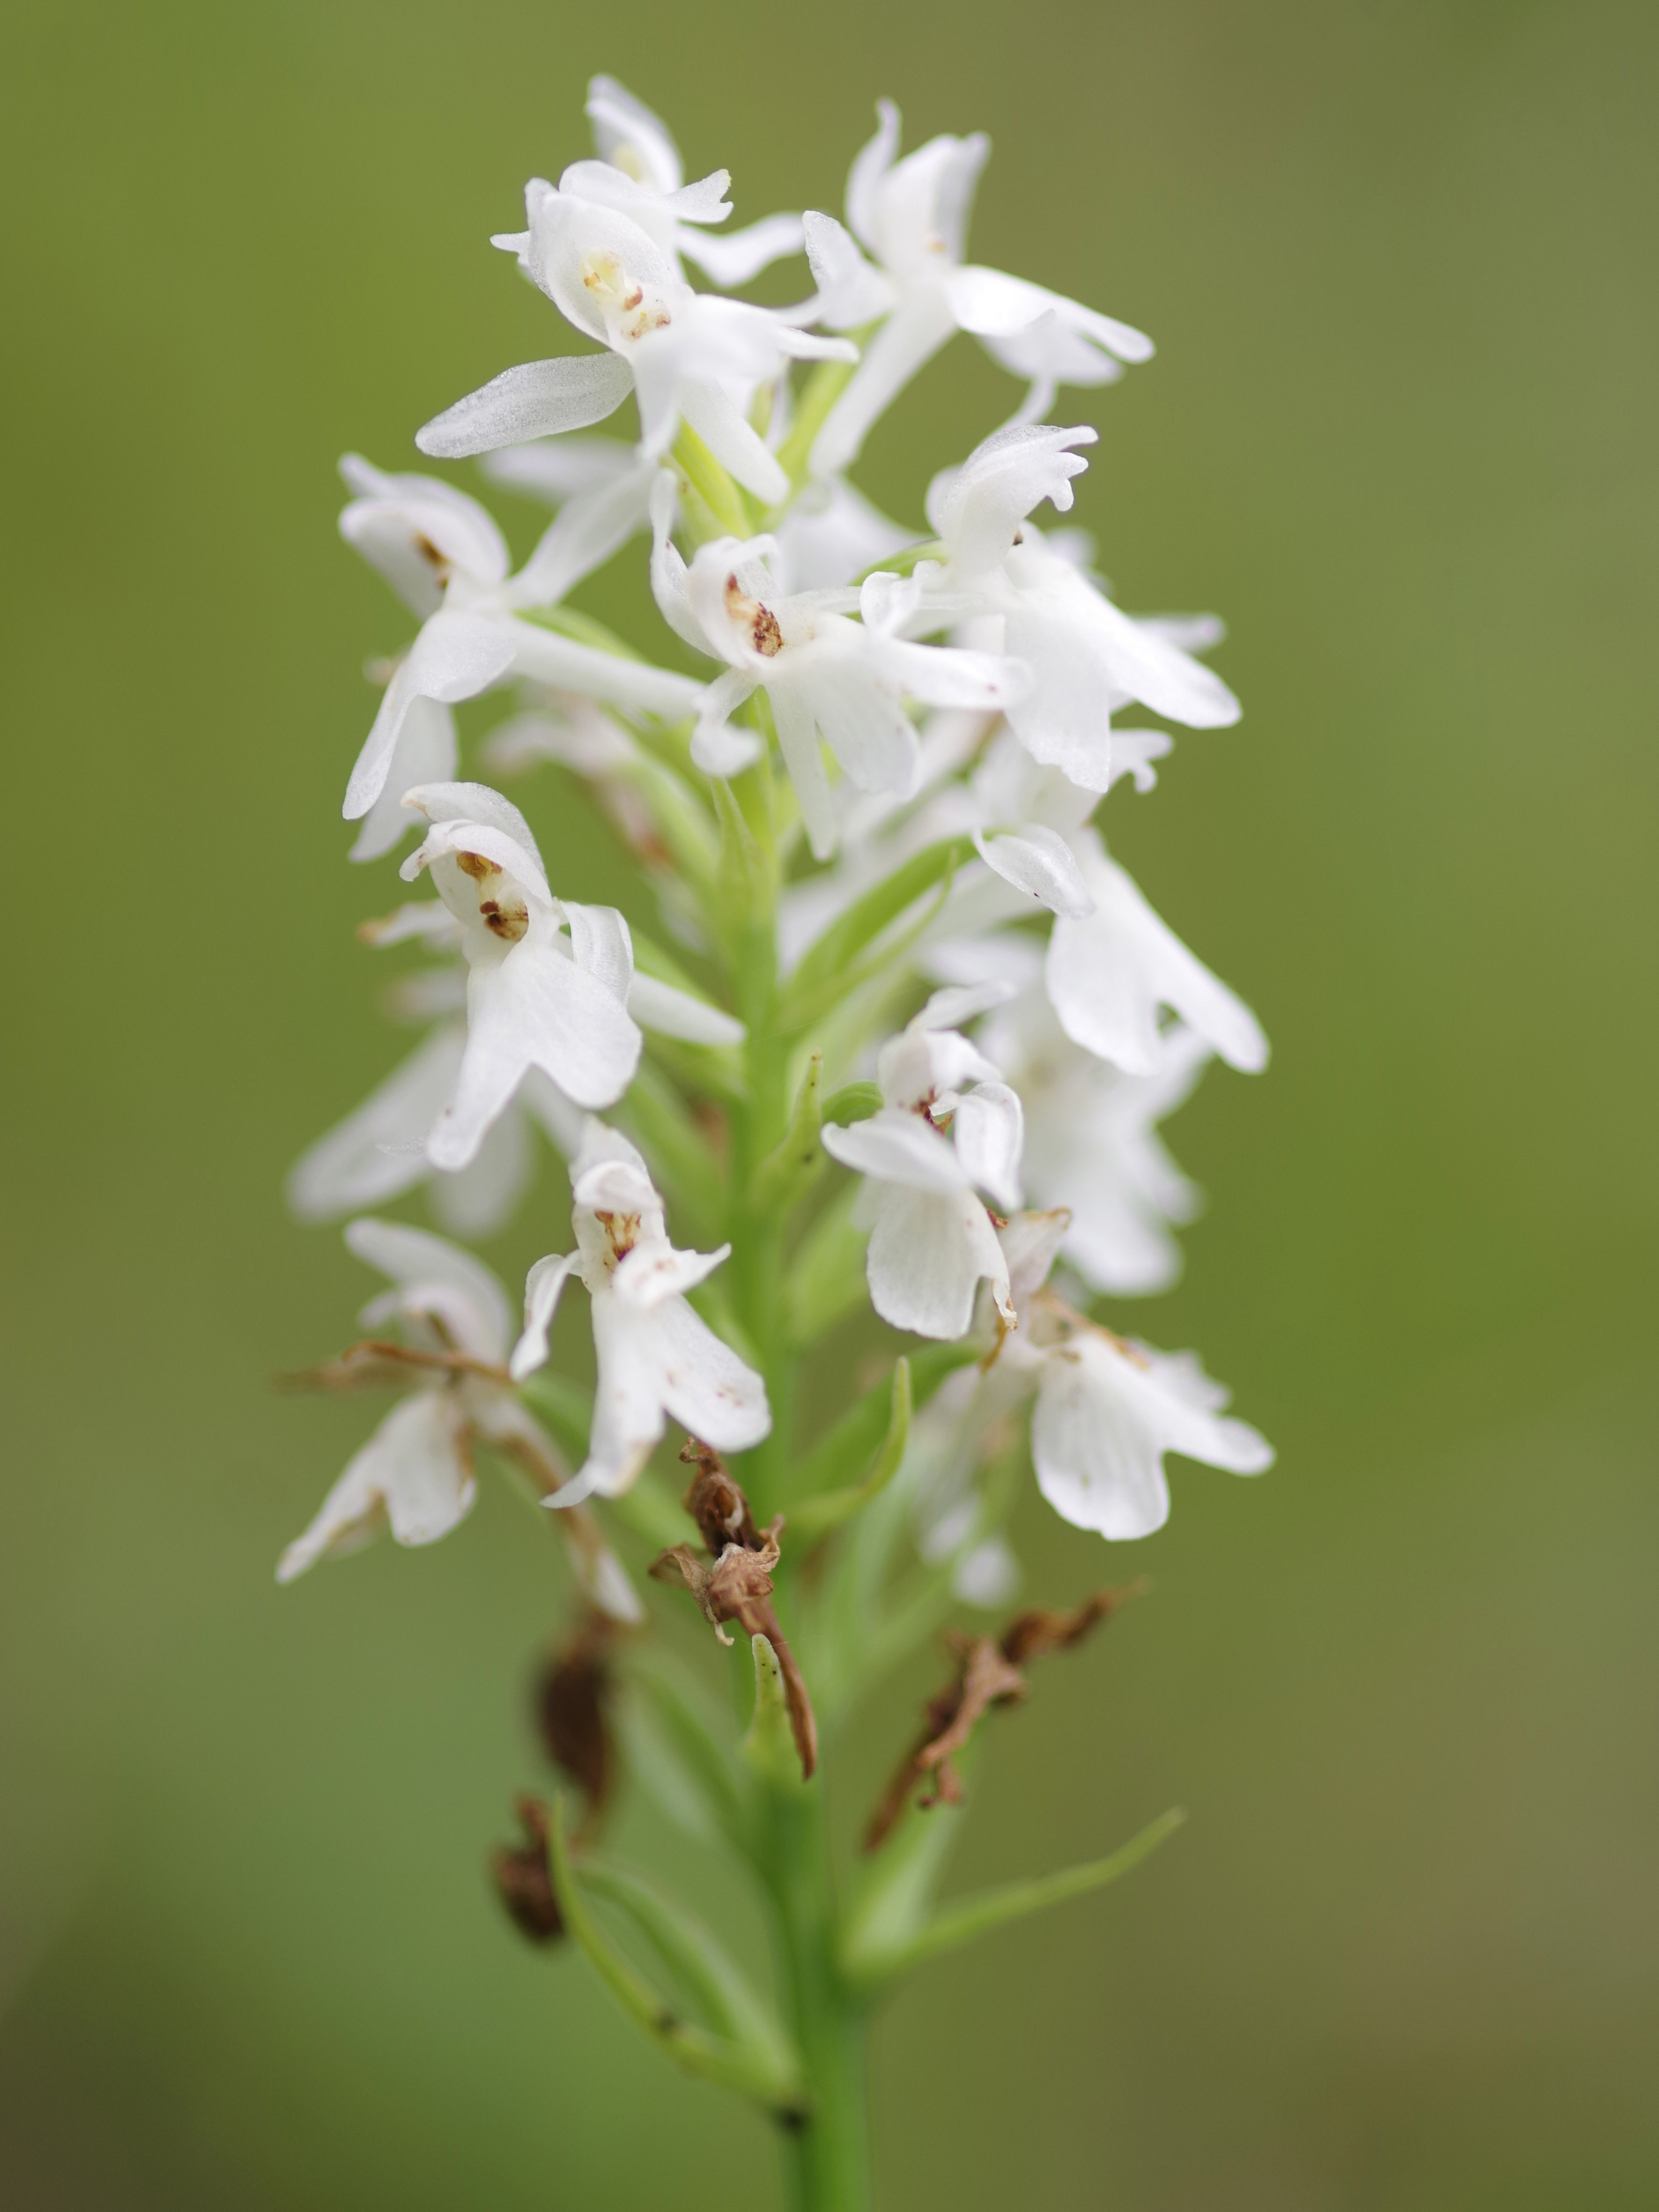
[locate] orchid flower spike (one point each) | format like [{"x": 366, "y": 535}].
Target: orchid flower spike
[
  {"x": 444, "y": 556},
  {"x": 657, "y": 1358},
  {"x": 822, "y": 672},
  {"x": 415, "y": 1475},
  {"x": 911, "y": 217},
  {"x": 932, "y": 1240}
]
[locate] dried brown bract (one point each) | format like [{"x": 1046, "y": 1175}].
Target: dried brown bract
[
  {"x": 379, "y": 1363},
  {"x": 523, "y": 1876},
  {"x": 989, "y": 1672},
  {"x": 572, "y": 1699},
  {"x": 733, "y": 1580}
]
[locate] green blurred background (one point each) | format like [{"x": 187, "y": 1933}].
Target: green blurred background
[{"x": 1400, "y": 431}]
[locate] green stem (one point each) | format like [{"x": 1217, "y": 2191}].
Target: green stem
[{"x": 826, "y": 2158}]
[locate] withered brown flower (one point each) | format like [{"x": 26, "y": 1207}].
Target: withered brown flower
[
  {"x": 523, "y": 1876},
  {"x": 989, "y": 1671},
  {"x": 732, "y": 1581}
]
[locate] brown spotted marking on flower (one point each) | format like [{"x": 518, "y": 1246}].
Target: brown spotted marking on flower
[
  {"x": 765, "y": 631},
  {"x": 439, "y": 563},
  {"x": 622, "y": 1233}
]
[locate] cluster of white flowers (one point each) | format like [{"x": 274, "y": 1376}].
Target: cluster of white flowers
[{"x": 942, "y": 705}]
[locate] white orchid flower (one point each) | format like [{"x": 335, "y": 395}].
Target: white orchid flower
[
  {"x": 379, "y": 1150},
  {"x": 536, "y": 997},
  {"x": 1087, "y": 657},
  {"x": 1108, "y": 1409},
  {"x": 687, "y": 356},
  {"x": 822, "y": 672},
  {"x": 444, "y": 556},
  {"x": 911, "y": 217},
  {"x": 415, "y": 1475},
  {"x": 932, "y": 1241},
  {"x": 657, "y": 1358},
  {"x": 1091, "y": 1146},
  {"x": 639, "y": 171},
  {"x": 1109, "y": 972}
]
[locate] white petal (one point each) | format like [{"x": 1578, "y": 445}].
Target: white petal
[
  {"x": 538, "y": 399},
  {"x": 602, "y": 946},
  {"x": 537, "y": 1008},
  {"x": 1108, "y": 976},
  {"x": 798, "y": 741},
  {"x": 412, "y": 1472},
  {"x": 652, "y": 1272},
  {"x": 1098, "y": 1462},
  {"x": 455, "y": 657},
  {"x": 904, "y": 343},
  {"x": 541, "y": 1298},
  {"x": 1039, "y": 862},
  {"x": 870, "y": 166},
  {"x": 381, "y": 1149},
  {"x": 631, "y": 137},
  {"x": 989, "y": 1133},
  {"x": 479, "y": 1200},
  {"x": 414, "y": 529},
  {"x": 570, "y": 667},
  {"x": 900, "y": 1148},
  {"x": 705, "y": 1386},
  {"x": 963, "y": 1002},
  {"x": 978, "y": 508},
  {"x": 734, "y": 256},
  {"x": 674, "y": 1013},
  {"x": 435, "y": 1277},
  {"x": 426, "y": 752},
  {"x": 929, "y": 1253},
  {"x": 734, "y": 442},
  {"x": 592, "y": 525},
  {"x": 555, "y": 470},
  {"x": 991, "y": 305},
  {"x": 850, "y": 292}
]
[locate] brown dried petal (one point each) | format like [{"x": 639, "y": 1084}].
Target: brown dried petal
[
  {"x": 1033, "y": 1635},
  {"x": 715, "y": 1502},
  {"x": 572, "y": 1701},
  {"x": 523, "y": 1876},
  {"x": 377, "y": 1364}
]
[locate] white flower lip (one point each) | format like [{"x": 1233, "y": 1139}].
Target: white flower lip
[{"x": 656, "y": 1357}]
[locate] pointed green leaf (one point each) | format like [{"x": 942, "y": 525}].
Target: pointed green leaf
[
  {"x": 895, "y": 1887},
  {"x": 827, "y": 964},
  {"x": 710, "y": 2057},
  {"x": 847, "y": 1447},
  {"x": 720, "y": 494},
  {"x": 978, "y": 1916},
  {"x": 786, "y": 1172},
  {"x": 704, "y": 1972},
  {"x": 706, "y": 1768},
  {"x": 815, "y": 1517},
  {"x": 769, "y": 1746}
]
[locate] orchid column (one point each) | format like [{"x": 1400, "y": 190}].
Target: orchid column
[{"x": 874, "y": 1023}]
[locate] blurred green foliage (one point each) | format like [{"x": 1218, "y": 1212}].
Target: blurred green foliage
[{"x": 1401, "y": 432}]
